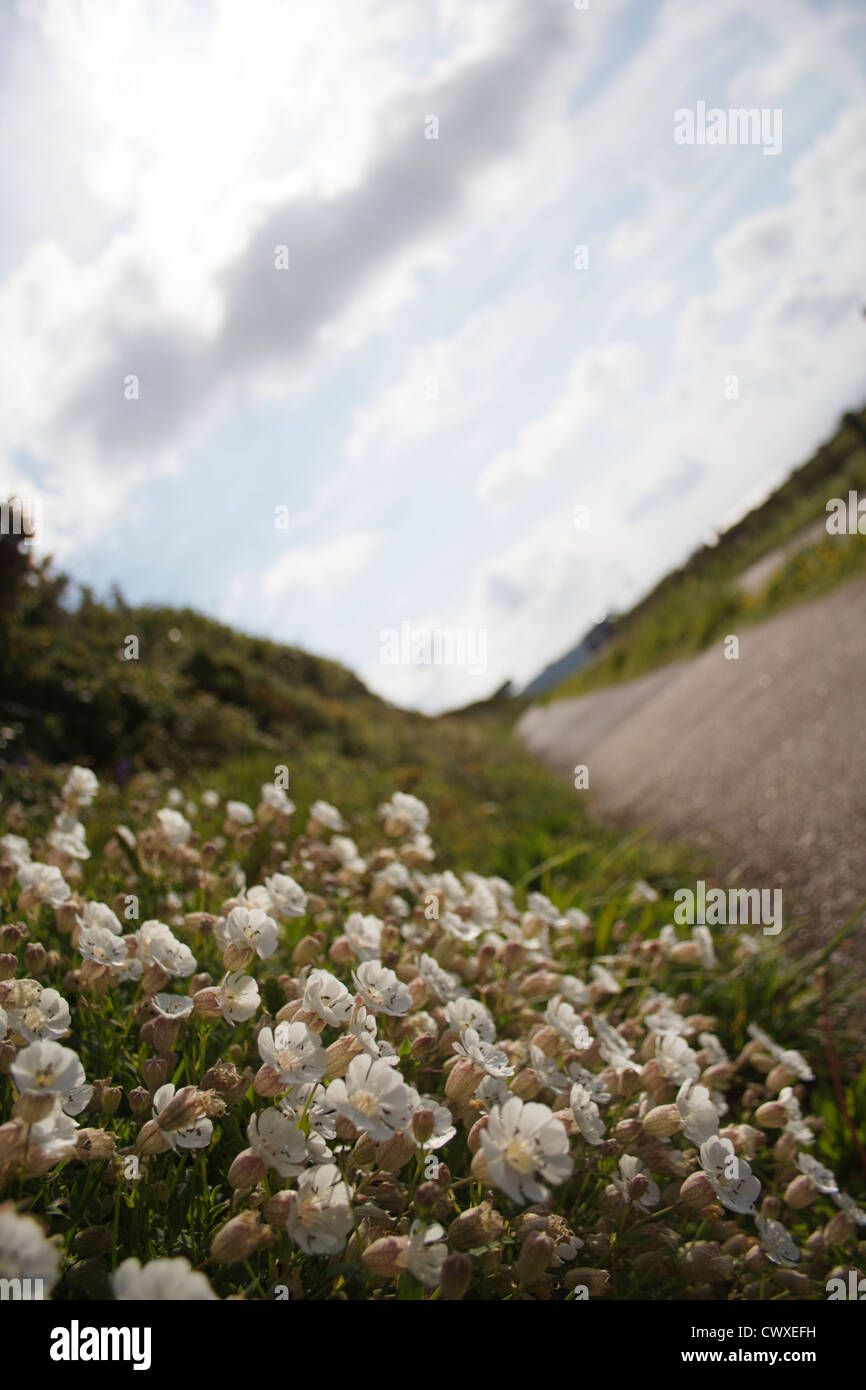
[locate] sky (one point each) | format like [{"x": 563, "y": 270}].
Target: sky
[{"x": 421, "y": 334}]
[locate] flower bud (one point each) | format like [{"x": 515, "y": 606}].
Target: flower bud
[
  {"x": 111, "y": 1098},
  {"x": 596, "y": 1281},
  {"x": 423, "y": 1125},
  {"x": 800, "y": 1192},
  {"x": 778, "y": 1077},
  {"x": 473, "y": 1139},
  {"x": 535, "y": 1255},
  {"x": 481, "y": 1225},
  {"x": 526, "y": 1084},
  {"x": 696, "y": 1191},
  {"x": 182, "y": 1111},
  {"x": 35, "y": 957},
  {"x": 239, "y": 1238},
  {"x": 773, "y": 1114},
  {"x": 268, "y": 1082},
  {"x": 462, "y": 1081},
  {"x": 276, "y": 1209},
  {"x": 340, "y": 1054},
  {"x": 386, "y": 1258},
  {"x": 207, "y": 1002},
  {"x": 246, "y": 1170},
  {"x": 456, "y": 1277},
  {"x": 839, "y": 1229},
  {"x": 94, "y": 1145},
  {"x": 785, "y": 1148},
  {"x": 139, "y": 1100},
  {"x": 238, "y": 955},
  {"x": 154, "y": 1071},
  {"x": 341, "y": 952},
  {"x": 93, "y": 1240},
  {"x": 307, "y": 950},
  {"x": 663, "y": 1121},
  {"x": 151, "y": 1140},
  {"x": 8, "y": 966},
  {"x": 394, "y": 1153},
  {"x": 33, "y": 1108}
]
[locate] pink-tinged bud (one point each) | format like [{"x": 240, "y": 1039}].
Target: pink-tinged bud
[
  {"x": 663, "y": 1121},
  {"x": 268, "y": 1082},
  {"x": 246, "y": 1170},
  {"x": 197, "y": 982},
  {"x": 341, "y": 952},
  {"x": 704, "y": 1261},
  {"x": 290, "y": 1011},
  {"x": 207, "y": 1002},
  {"x": 394, "y": 1153},
  {"x": 462, "y": 1081},
  {"x": 139, "y": 1100},
  {"x": 35, "y": 957},
  {"x": 276, "y": 1210},
  {"x": 182, "y": 1111},
  {"x": 223, "y": 1078},
  {"x": 736, "y": 1245},
  {"x": 154, "y": 979},
  {"x": 340, "y": 1054},
  {"x": 455, "y": 1278},
  {"x": 423, "y": 1125},
  {"x": 548, "y": 1040},
  {"x": 155, "y": 1070},
  {"x": 8, "y": 966},
  {"x": 510, "y": 955},
  {"x": 419, "y": 992},
  {"x": 539, "y": 984},
  {"x": 365, "y": 1151},
  {"x": 422, "y": 1044},
  {"x": 800, "y": 1192},
  {"x": 238, "y": 955},
  {"x": 716, "y": 1077},
  {"x": 778, "y": 1077},
  {"x": 92, "y": 1240},
  {"x": 481, "y": 1225},
  {"x": 308, "y": 949},
  {"x": 66, "y": 918},
  {"x": 165, "y": 1031},
  {"x": 595, "y": 1281},
  {"x": 755, "y": 1260},
  {"x": 33, "y": 1108},
  {"x": 479, "y": 1168},
  {"x": 638, "y": 1187},
  {"x": 685, "y": 953},
  {"x": 696, "y": 1192},
  {"x": 11, "y": 1140},
  {"x": 839, "y": 1230},
  {"x": 785, "y": 1148},
  {"x": 535, "y": 1255},
  {"x": 151, "y": 1140},
  {"x": 771, "y": 1208},
  {"x": 8, "y": 1053},
  {"x": 386, "y": 1258},
  {"x": 239, "y": 1238},
  {"x": 11, "y": 936},
  {"x": 526, "y": 1084},
  {"x": 94, "y": 1145},
  {"x": 628, "y": 1130},
  {"x": 346, "y": 1131}
]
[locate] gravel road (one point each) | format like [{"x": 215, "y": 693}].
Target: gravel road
[{"x": 761, "y": 761}]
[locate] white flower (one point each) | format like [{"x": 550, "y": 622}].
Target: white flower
[
  {"x": 293, "y": 1050},
  {"x": 101, "y": 915},
  {"x": 426, "y": 1254},
  {"x": 70, "y": 843},
  {"x": 327, "y": 816},
  {"x": 364, "y": 935},
  {"x": 703, "y": 940},
  {"x": 733, "y": 1181},
  {"x": 777, "y": 1242},
  {"x": 491, "y": 1059},
  {"x": 850, "y": 1208},
  {"x": 441, "y": 982},
  {"x": 55, "y": 1133},
  {"x": 794, "y": 1061},
  {"x": 328, "y": 997},
  {"x": 162, "y": 1279},
  {"x": 613, "y": 1047},
  {"x": 210, "y": 799},
  {"x": 676, "y": 1059},
  {"x": 253, "y": 926},
  {"x": 172, "y": 1005},
  {"x": 410, "y": 814},
  {"x": 240, "y": 813},
  {"x": 46, "y": 882},
  {"x": 458, "y": 928},
  {"x": 157, "y": 945},
  {"x": 287, "y": 896},
  {"x": 14, "y": 850},
  {"x": 574, "y": 990},
  {"x": 823, "y": 1179},
  {"x": 101, "y": 946},
  {"x": 311, "y": 1100},
  {"x": 561, "y": 1016},
  {"x": 320, "y": 1216},
  {"x": 46, "y": 1018},
  {"x": 25, "y": 1250},
  {"x": 796, "y": 1125},
  {"x": 548, "y": 1071},
  {"x": 602, "y": 977},
  {"x": 239, "y": 997},
  {"x": 3, "y": 1023},
  {"x": 195, "y": 1136},
  {"x": 46, "y": 1069},
  {"x": 373, "y": 1096},
  {"x": 643, "y": 893},
  {"x": 347, "y": 852},
  {"x": 470, "y": 1013},
  {"x": 586, "y": 1113},
  {"x": 276, "y": 798},
  {"x": 591, "y": 1083},
  {"x": 444, "y": 1128},
  {"x": 175, "y": 829},
  {"x": 381, "y": 989},
  {"x": 525, "y": 1145},
  {"x": 698, "y": 1113},
  {"x": 630, "y": 1168},
  {"x": 393, "y": 876},
  {"x": 81, "y": 786},
  {"x": 278, "y": 1142}
]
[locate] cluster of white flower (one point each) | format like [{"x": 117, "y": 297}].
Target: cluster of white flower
[{"x": 418, "y": 1005}]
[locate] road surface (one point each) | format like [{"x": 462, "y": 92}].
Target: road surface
[{"x": 761, "y": 761}]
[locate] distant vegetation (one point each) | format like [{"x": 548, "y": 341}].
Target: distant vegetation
[{"x": 702, "y": 601}]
